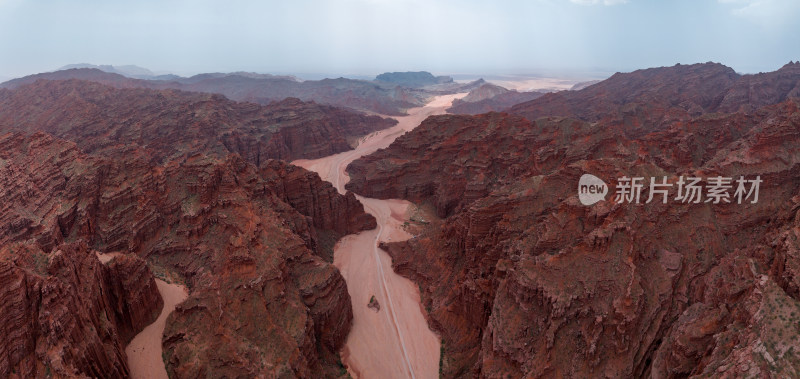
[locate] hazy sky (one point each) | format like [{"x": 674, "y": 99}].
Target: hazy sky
[{"x": 372, "y": 36}]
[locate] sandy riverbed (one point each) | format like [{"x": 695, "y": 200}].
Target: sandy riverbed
[
  {"x": 394, "y": 342},
  {"x": 144, "y": 351}
]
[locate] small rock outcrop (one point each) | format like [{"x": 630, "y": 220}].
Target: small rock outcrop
[{"x": 491, "y": 98}]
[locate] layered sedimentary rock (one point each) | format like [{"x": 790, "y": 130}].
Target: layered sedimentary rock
[
  {"x": 167, "y": 123},
  {"x": 491, "y": 98},
  {"x": 65, "y": 314},
  {"x": 522, "y": 280},
  {"x": 482, "y": 150},
  {"x": 262, "y": 299},
  {"x": 310, "y": 195}
]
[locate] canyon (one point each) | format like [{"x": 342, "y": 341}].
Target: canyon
[
  {"x": 522, "y": 280},
  {"x": 222, "y": 227},
  {"x": 395, "y": 341},
  {"x": 249, "y": 237},
  {"x": 144, "y": 350},
  {"x": 370, "y": 189},
  {"x": 151, "y": 228}
]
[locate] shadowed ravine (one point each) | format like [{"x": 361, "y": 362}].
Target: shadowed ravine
[
  {"x": 144, "y": 351},
  {"x": 394, "y": 342}
]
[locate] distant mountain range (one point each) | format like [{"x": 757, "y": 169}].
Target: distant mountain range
[
  {"x": 393, "y": 97},
  {"x": 131, "y": 71}
]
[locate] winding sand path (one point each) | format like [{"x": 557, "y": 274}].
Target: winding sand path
[
  {"x": 144, "y": 351},
  {"x": 394, "y": 342}
]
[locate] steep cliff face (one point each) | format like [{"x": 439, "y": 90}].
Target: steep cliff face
[
  {"x": 483, "y": 152},
  {"x": 168, "y": 123},
  {"x": 310, "y": 195},
  {"x": 332, "y": 215},
  {"x": 262, "y": 298},
  {"x": 522, "y": 280},
  {"x": 65, "y": 314}
]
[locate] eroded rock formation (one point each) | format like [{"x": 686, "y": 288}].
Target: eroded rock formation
[
  {"x": 263, "y": 298},
  {"x": 65, "y": 314},
  {"x": 522, "y": 280},
  {"x": 100, "y": 118}
]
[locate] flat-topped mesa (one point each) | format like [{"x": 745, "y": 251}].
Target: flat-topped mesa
[
  {"x": 521, "y": 279},
  {"x": 413, "y": 79},
  {"x": 169, "y": 123},
  {"x": 65, "y": 314},
  {"x": 251, "y": 244}
]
